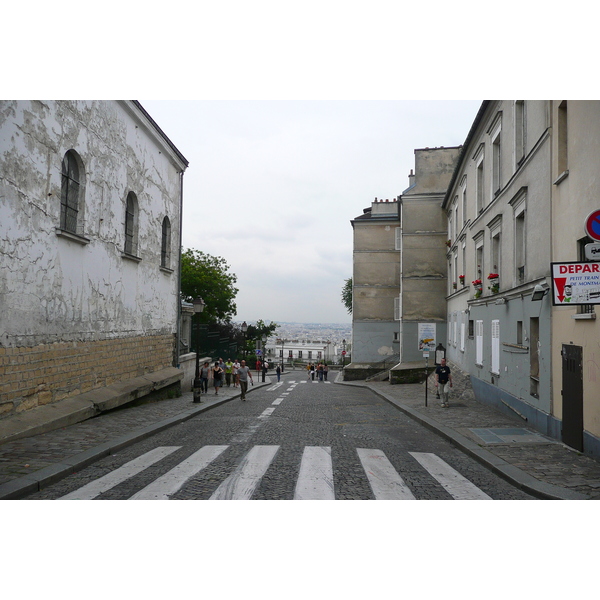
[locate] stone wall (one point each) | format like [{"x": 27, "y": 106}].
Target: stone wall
[{"x": 47, "y": 373}]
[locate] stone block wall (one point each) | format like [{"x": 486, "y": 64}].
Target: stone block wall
[{"x": 47, "y": 373}]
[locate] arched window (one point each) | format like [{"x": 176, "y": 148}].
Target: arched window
[
  {"x": 165, "y": 248},
  {"x": 131, "y": 224},
  {"x": 71, "y": 192}
]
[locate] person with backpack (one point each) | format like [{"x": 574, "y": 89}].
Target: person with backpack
[{"x": 443, "y": 378}]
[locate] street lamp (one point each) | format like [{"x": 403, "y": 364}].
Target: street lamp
[
  {"x": 264, "y": 342},
  {"x": 244, "y": 328},
  {"x": 343, "y": 353},
  {"x": 198, "y": 308}
]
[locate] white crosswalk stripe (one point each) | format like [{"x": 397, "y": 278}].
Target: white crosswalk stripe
[
  {"x": 240, "y": 485},
  {"x": 315, "y": 478},
  {"x": 384, "y": 480},
  {"x": 170, "y": 483},
  {"x": 455, "y": 484},
  {"x": 110, "y": 480}
]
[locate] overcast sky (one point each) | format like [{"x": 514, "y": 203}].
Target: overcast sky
[{"x": 272, "y": 186}]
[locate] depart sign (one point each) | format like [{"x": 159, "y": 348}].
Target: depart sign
[{"x": 575, "y": 283}]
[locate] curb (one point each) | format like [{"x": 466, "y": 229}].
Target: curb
[
  {"x": 512, "y": 474},
  {"x": 34, "y": 482}
]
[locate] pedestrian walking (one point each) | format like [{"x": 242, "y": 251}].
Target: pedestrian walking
[
  {"x": 312, "y": 371},
  {"x": 325, "y": 371},
  {"x": 236, "y": 366},
  {"x": 320, "y": 371},
  {"x": 443, "y": 378},
  {"x": 278, "y": 371},
  {"x": 204, "y": 374},
  {"x": 308, "y": 371},
  {"x": 242, "y": 376},
  {"x": 217, "y": 377},
  {"x": 228, "y": 372}
]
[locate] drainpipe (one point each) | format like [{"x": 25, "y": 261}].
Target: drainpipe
[{"x": 178, "y": 295}]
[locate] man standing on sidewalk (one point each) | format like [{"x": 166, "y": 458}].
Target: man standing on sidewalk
[
  {"x": 443, "y": 378},
  {"x": 242, "y": 376}
]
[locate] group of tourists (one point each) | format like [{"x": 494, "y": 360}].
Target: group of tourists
[
  {"x": 235, "y": 372},
  {"x": 320, "y": 370}
]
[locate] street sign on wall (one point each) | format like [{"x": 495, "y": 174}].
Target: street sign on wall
[
  {"x": 592, "y": 225},
  {"x": 575, "y": 283}
]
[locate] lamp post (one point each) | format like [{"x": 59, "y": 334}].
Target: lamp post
[
  {"x": 198, "y": 308},
  {"x": 264, "y": 352},
  {"x": 282, "y": 351},
  {"x": 244, "y": 328},
  {"x": 343, "y": 353}
]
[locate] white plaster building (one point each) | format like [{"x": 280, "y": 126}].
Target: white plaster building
[
  {"x": 499, "y": 214},
  {"x": 90, "y": 213}
]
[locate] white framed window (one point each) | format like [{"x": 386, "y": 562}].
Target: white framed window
[
  {"x": 479, "y": 342},
  {"x": 519, "y": 205},
  {"x": 398, "y": 308},
  {"x": 496, "y": 138},
  {"x": 398, "y": 238},
  {"x": 479, "y": 181},
  {"x": 464, "y": 199},
  {"x": 520, "y": 132},
  {"x": 496, "y": 346},
  {"x": 463, "y": 327},
  {"x": 455, "y": 329}
]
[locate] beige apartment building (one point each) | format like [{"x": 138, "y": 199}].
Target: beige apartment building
[{"x": 575, "y": 396}]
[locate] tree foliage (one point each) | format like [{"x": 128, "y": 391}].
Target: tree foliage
[
  {"x": 209, "y": 277},
  {"x": 347, "y": 295}
]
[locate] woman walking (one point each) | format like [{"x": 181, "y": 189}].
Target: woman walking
[{"x": 217, "y": 377}]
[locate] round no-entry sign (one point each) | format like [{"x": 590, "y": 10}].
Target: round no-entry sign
[{"x": 592, "y": 225}]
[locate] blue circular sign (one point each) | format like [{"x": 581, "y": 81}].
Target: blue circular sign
[{"x": 592, "y": 225}]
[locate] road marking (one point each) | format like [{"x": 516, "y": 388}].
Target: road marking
[
  {"x": 267, "y": 412},
  {"x": 315, "y": 480},
  {"x": 384, "y": 480},
  {"x": 274, "y": 387},
  {"x": 173, "y": 481},
  {"x": 110, "y": 480},
  {"x": 303, "y": 382},
  {"x": 240, "y": 485},
  {"x": 278, "y": 401},
  {"x": 455, "y": 484}
]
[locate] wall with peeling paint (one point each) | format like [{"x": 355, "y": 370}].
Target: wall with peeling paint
[{"x": 57, "y": 287}]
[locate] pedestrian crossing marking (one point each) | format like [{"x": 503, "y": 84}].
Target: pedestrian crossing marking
[
  {"x": 315, "y": 480},
  {"x": 170, "y": 483},
  {"x": 454, "y": 483},
  {"x": 384, "y": 480},
  {"x": 128, "y": 470},
  {"x": 274, "y": 387},
  {"x": 240, "y": 485}
]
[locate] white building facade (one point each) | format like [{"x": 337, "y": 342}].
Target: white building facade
[
  {"x": 90, "y": 214},
  {"x": 499, "y": 214}
]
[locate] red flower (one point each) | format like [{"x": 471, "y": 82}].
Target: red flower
[
  {"x": 493, "y": 276},
  {"x": 476, "y": 282}
]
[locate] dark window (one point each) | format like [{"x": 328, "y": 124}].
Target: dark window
[
  {"x": 165, "y": 248},
  {"x": 69, "y": 196},
  {"x": 130, "y": 224}
]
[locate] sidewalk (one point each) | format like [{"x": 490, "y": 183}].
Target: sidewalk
[
  {"x": 30, "y": 463},
  {"x": 538, "y": 465}
]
